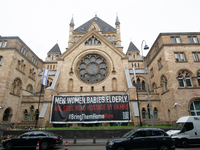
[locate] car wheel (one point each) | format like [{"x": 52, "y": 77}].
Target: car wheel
[
  {"x": 8, "y": 145},
  {"x": 163, "y": 147},
  {"x": 184, "y": 143},
  {"x": 120, "y": 148},
  {"x": 44, "y": 145}
]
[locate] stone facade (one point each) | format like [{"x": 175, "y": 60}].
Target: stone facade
[{"x": 172, "y": 75}]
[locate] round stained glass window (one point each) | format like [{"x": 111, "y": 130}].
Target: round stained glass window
[{"x": 92, "y": 68}]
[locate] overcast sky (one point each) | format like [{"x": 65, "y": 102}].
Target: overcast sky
[{"x": 43, "y": 23}]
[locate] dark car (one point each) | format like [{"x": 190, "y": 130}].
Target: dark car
[
  {"x": 30, "y": 139},
  {"x": 146, "y": 139}
]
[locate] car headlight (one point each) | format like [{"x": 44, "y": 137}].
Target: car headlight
[{"x": 110, "y": 143}]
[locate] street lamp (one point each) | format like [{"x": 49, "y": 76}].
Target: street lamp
[{"x": 151, "y": 113}]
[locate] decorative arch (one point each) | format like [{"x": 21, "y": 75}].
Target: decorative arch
[
  {"x": 114, "y": 84},
  {"x": 7, "y": 115},
  {"x": 164, "y": 83},
  {"x": 92, "y": 41},
  {"x": 184, "y": 77},
  {"x": 16, "y": 86},
  {"x": 154, "y": 87},
  {"x": 140, "y": 83},
  {"x": 29, "y": 88},
  {"x": 70, "y": 85}
]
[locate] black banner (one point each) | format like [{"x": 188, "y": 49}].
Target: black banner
[{"x": 90, "y": 108}]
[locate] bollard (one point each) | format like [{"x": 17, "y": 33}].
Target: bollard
[
  {"x": 75, "y": 140},
  {"x": 94, "y": 140},
  {"x": 66, "y": 145}
]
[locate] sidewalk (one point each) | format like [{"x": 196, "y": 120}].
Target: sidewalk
[{"x": 85, "y": 142}]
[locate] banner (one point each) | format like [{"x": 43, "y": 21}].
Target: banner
[{"x": 90, "y": 108}]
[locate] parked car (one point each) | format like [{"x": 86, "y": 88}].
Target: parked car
[
  {"x": 148, "y": 138},
  {"x": 30, "y": 139},
  {"x": 186, "y": 131}
]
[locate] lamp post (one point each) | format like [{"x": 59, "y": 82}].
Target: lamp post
[{"x": 151, "y": 113}]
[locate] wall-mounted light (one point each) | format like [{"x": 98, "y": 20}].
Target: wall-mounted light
[{"x": 1, "y": 107}]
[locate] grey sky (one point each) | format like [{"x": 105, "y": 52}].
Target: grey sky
[{"x": 41, "y": 23}]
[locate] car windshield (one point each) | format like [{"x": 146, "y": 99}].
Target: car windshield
[
  {"x": 178, "y": 126},
  {"x": 128, "y": 134}
]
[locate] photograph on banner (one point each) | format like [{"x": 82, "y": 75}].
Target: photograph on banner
[{"x": 90, "y": 108}]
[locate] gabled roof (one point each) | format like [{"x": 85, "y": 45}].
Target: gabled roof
[
  {"x": 102, "y": 25},
  {"x": 55, "y": 50},
  {"x": 86, "y": 37},
  {"x": 132, "y": 48}
]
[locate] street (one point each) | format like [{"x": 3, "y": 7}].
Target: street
[{"x": 100, "y": 148}]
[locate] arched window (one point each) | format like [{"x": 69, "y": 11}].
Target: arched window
[
  {"x": 198, "y": 78},
  {"x": 188, "y": 80},
  {"x": 92, "y": 89},
  {"x": 134, "y": 83},
  {"x": 180, "y": 81},
  {"x": 93, "y": 41},
  {"x": 149, "y": 113},
  {"x": 184, "y": 78},
  {"x": 138, "y": 84},
  {"x": 155, "y": 113},
  {"x": 31, "y": 113},
  {"x": 1, "y": 58},
  {"x": 164, "y": 83},
  {"x": 25, "y": 115},
  {"x": 195, "y": 108},
  {"x": 103, "y": 88},
  {"x": 143, "y": 113},
  {"x": 143, "y": 85}
]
